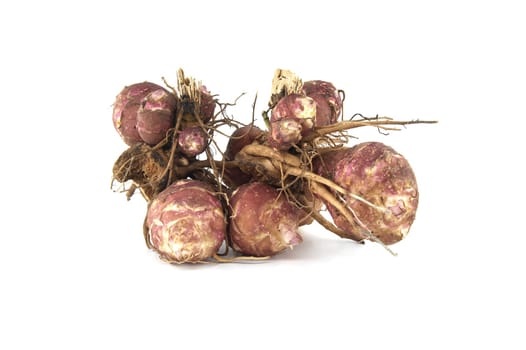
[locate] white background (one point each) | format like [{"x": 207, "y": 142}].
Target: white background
[{"x": 74, "y": 270}]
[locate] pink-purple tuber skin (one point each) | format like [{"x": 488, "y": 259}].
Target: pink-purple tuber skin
[
  {"x": 186, "y": 222},
  {"x": 208, "y": 105},
  {"x": 380, "y": 175},
  {"x": 329, "y": 104},
  {"x": 292, "y": 118},
  {"x": 240, "y": 138},
  {"x": 263, "y": 222},
  {"x": 192, "y": 141},
  {"x": 156, "y": 115},
  {"x": 125, "y": 110}
]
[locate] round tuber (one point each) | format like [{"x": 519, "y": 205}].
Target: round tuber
[
  {"x": 262, "y": 222},
  {"x": 156, "y": 116},
  {"x": 383, "y": 177},
  {"x": 329, "y": 104},
  {"x": 192, "y": 141},
  {"x": 186, "y": 222},
  {"x": 292, "y": 118},
  {"x": 125, "y": 110}
]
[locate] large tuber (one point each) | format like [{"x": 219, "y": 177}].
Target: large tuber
[
  {"x": 186, "y": 222},
  {"x": 384, "y": 178},
  {"x": 262, "y": 222}
]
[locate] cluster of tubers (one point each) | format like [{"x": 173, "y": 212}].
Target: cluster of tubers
[{"x": 247, "y": 201}]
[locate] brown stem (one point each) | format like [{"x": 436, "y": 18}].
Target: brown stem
[
  {"x": 220, "y": 259},
  {"x": 348, "y": 214},
  {"x": 320, "y": 179},
  {"x": 351, "y": 124},
  {"x": 330, "y": 226},
  {"x": 329, "y": 198},
  {"x": 291, "y": 164},
  {"x": 256, "y": 149},
  {"x": 259, "y": 153},
  {"x": 145, "y": 195}
]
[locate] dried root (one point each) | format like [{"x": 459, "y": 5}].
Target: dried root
[{"x": 144, "y": 166}]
